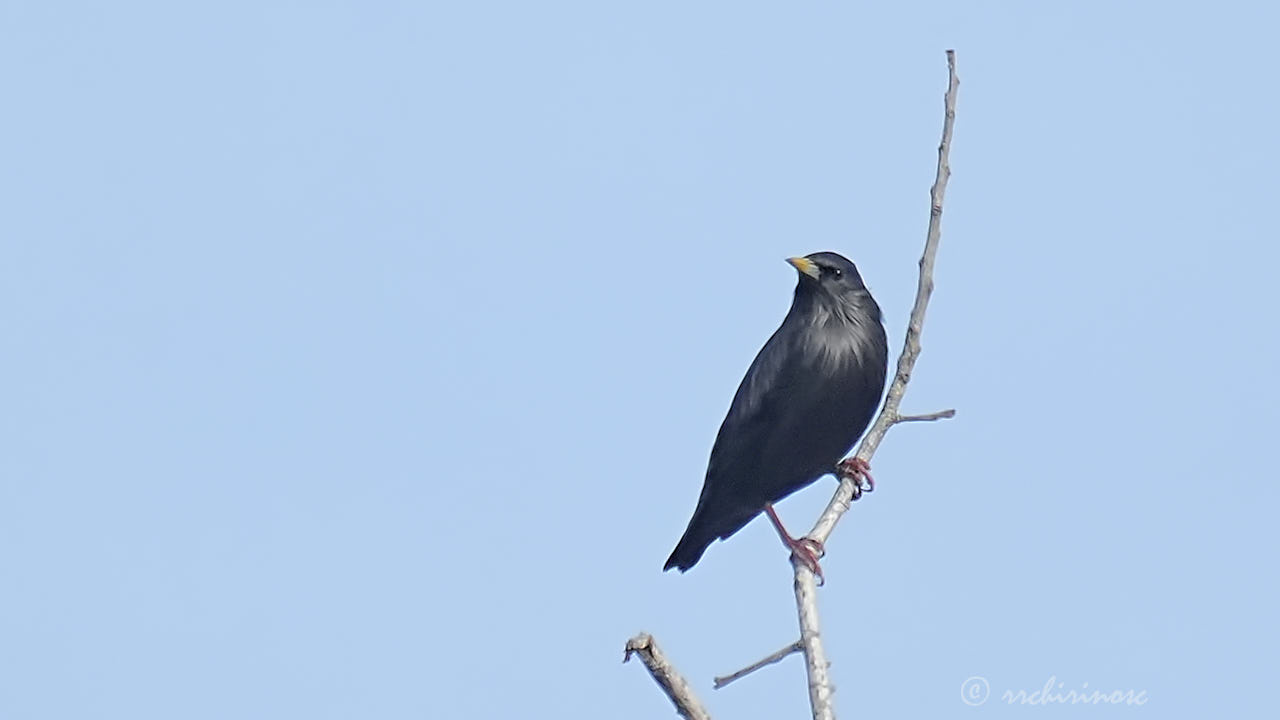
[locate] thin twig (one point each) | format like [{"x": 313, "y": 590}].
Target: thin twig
[
  {"x": 667, "y": 677},
  {"x": 820, "y": 687},
  {"x": 928, "y": 417},
  {"x": 794, "y": 647}
]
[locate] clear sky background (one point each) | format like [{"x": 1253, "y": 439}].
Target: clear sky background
[{"x": 361, "y": 360}]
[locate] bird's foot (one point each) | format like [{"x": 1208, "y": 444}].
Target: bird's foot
[
  {"x": 805, "y": 550},
  {"x": 859, "y": 471}
]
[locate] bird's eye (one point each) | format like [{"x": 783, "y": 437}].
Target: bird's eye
[{"x": 836, "y": 272}]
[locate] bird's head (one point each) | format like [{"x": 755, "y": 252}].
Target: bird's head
[{"x": 830, "y": 274}]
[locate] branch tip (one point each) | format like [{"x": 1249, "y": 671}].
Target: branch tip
[{"x": 665, "y": 674}]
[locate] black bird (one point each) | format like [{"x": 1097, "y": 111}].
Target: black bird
[{"x": 805, "y": 400}]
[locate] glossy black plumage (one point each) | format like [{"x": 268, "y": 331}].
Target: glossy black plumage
[{"x": 808, "y": 396}]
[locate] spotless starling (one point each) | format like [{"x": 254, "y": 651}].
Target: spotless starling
[{"x": 805, "y": 400}]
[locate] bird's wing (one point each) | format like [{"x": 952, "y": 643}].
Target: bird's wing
[{"x": 772, "y": 393}]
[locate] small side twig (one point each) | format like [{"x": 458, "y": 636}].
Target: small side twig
[
  {"x": 927, "y": 417},
  {"x": 793, "y": 648},
  {"x": 667, "y": 677}
]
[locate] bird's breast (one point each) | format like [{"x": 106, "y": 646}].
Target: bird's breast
[{"x": 842, "y": 346}]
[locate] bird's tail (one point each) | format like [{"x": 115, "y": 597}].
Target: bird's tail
[
  {"x": 711, "y": 522},
  {"x": 692, "y": 544}
]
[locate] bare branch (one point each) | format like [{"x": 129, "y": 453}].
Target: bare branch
[
  {"x": 820, "y": 687},
  {"x": 667, "y": 677},
  {"x": 794, "y": 647},
  {"x": 928, "y": 417},
  {"x": 911, "y": 348},
  {"x": 815, "y": 656}
]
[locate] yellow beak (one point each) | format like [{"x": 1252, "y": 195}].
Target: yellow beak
[{"x": 806, "y": 266}]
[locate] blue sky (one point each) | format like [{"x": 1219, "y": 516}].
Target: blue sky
[{"x": 362, "y": 359}]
